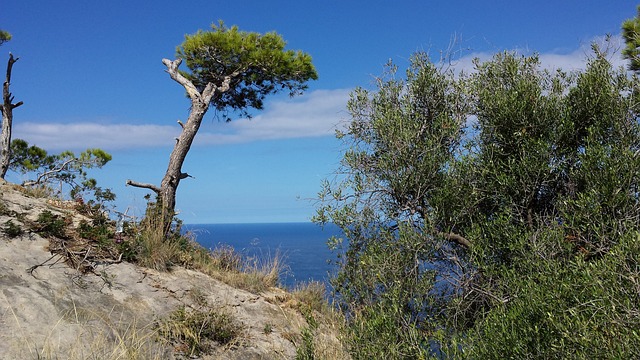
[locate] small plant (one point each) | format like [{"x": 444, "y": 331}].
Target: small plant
[
  {"x": 4, "y": 209},
  {"x": 99, "y": 230},
  {"x": 197, "y": 331},
  {"x": 50, "y": 225},
  {"x": 198, "y": 296},
  {"x": 11, "y": 229},
  {"x": 312, "y": 295},
  {"x": 225, "y": 258},
  {"x": 268, "y": 328},
  {"x": 306, "y": 350}
]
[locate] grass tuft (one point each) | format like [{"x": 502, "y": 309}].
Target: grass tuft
[
  {"x": 312, "y": 295},
  {"x": 194, "y": 332}
]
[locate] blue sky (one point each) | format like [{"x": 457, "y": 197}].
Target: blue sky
[{"x": 90, "y": 75}]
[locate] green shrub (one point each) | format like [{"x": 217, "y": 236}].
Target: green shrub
[
  {"x": 307, "y": 349},
  {"x": 492, "y": 215},
  {"x": 50, "y": 225},
  {"x": 99, "y": 230},
  {"x": 11, "y": 229},
  {"x": 199, "y": 330}
]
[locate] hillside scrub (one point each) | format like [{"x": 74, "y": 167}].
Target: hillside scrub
[
  {"x": 490, "y": 215},
  {"x": 86, "y": 293}
]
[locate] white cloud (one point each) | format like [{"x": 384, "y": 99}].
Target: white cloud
[
  {"x": 60, "y": 136},
  {"x": 314, "y": 114},
  {"x": 567, "y": 61}
]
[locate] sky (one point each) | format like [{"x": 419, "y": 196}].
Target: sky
[{"x": 90, "y": 75}]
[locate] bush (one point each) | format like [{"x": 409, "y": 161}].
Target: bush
[
  {"x": 11, "y": 229},
  {"x": 197, "y": 331},
  {"x": 50, "y": 225},
  {"x": 513, "y": 238}
]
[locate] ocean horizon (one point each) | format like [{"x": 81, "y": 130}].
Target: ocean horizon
[{"x": 302, "y": 246}]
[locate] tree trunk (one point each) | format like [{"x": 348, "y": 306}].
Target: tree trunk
[
  {"x": 199, "y": 106},
  {"x": 7, "y": 120},
  {"x": 174, "y": 173}
]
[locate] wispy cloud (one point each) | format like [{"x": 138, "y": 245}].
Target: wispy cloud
[
  {"x": 311, "y": 115},
  {"x": 60, "y": 136},
  {"x": 567, "y": 61},
  {"x": 317, "y": 113}
]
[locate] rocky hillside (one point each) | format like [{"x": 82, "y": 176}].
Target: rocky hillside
[{"x": 117, "y": 310}]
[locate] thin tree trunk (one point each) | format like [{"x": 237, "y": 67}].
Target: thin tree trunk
[
  {"x": 7, "y": 120},
  {"x": 174, "y": 173},
  {"x": 199, "y": 106}
]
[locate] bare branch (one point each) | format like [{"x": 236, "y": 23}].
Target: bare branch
[
  {"x": 172, "y": 69},
  {"x": 8, "y": 98},
  {"x": 155, "y": 188},
  {"x": 458, "y": 239},
  {"x": 45, "y": 175}
]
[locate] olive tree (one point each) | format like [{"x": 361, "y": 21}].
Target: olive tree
[
  {"x": 232, "y": 71},
  {"x": 631, "y": 35},
  {"x": 402, "y": 141},
  {"x": 490, "y": 215}
]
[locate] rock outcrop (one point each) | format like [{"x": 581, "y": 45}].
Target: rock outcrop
[{"x": 57, "y": 312}]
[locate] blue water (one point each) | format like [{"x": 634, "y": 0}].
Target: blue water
[{"x": 302, "y": 246}]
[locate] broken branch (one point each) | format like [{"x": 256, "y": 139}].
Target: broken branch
[{"x": 155, "y": 188}]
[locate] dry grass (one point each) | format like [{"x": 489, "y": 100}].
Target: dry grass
[
  {"x": 37, "y": 191},
  {"x": 227, "y": 265},
  {"x": 226, "y": 258},
  {"x": 195, "y": 331},
  {"x": 252, "y": 274},
  {"x": 312, "y": 295},
  {"x": 327, "y": 341},
  {"x": 321, "y": 339},
  {"x": 154, "y": 250},
  {"x": 83, "y": 335}
]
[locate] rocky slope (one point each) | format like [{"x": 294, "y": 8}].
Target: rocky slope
[{"x": 113, "y": 312}]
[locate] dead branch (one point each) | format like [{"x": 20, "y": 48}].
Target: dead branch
[
  {"x": 155, "y": 188},
  {"x": 6, "y": 95},
  {"x": 45, "y": 175},
  {"x": 458, "y": 239},
  {"x": 34, "y": 267}
]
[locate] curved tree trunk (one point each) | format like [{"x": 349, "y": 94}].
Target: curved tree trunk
[
  {"x": 7, "y": 120},
  {"x": 174, "y": 173},
  {"x": 199, "y": 106}
]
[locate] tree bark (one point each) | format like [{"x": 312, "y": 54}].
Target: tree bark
[
  {"x": 199, "y": 105},
  {"x": 458, "y": 239},
  {"x": 7, "y": 120}
]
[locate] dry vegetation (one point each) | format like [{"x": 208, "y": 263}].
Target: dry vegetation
[
  {"x": 199, "y": 327},
  {"x": 96, "y": 337}
]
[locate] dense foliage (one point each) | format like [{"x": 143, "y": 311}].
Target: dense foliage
[
  {"x": 256, "y": 65},
  {"x": 631, "y": 35},
  {"x": 4, "y": 36},
  {"x": 490, "y": 215}
]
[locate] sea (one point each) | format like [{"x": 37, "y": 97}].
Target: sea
[{"x": 302, "y": 247}]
